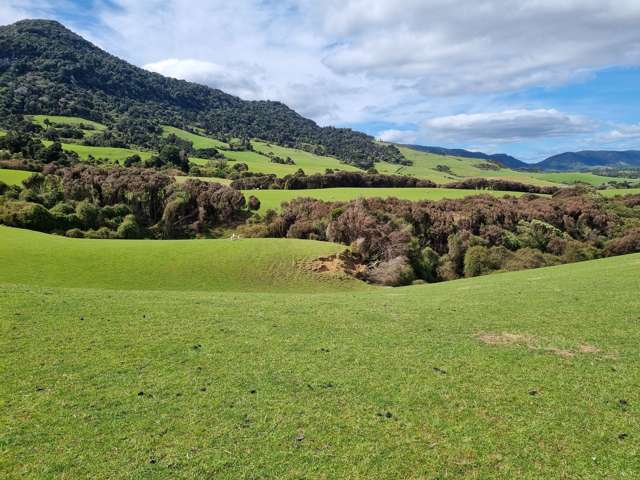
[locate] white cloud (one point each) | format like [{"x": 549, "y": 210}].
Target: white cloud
[
  {"x": 622, "y": 132},
  {"x": 237, "y": 79},
  {"x": 508, "y": 125},
  {"x": 398, "y": 136},
  {"x": 456, "y": 46}
]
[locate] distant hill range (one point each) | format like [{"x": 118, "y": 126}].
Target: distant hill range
[
  {"x": 591, "y": 159},
  {"x": 563, "y": 162},
  {"x": 502, "y": 158},
  {"x": 45, "y": 68}
]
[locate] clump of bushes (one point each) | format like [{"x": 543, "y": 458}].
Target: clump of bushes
[
  {"x": 473, "y": 236},
  {"x": 84, "y": 201},
  {"x": 301, "y": 181}
]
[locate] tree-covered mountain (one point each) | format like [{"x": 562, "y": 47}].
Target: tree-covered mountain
[
  {"x": 502, "y": 158},
  {"x": 591, "y": 159},
  {"x": 47, "y": 69}
]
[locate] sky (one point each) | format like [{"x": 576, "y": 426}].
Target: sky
[{"x": 530, "y": 78}]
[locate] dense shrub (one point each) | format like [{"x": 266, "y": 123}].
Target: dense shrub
[
  {"x": 254, "y": 203},
  {"x": 629, "y": 243},
  {"x": 32, "y": 216},
  {"x": 129, "y": 228},
  {"x": 393, "y": 272},
  {"x": 301, "y": 181},
  {"x": 447, "y": 239},
  {"x": 498, "y": 184},
  {"x": 125, "y": 201},
  {"x": 74, "y": 233}
]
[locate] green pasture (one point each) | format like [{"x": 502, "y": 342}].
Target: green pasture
[
  {"x": 206, "y": 359},
  {"x": 220, "y": 265},
  {"x": 274, "y": 198},
  {"x": 14, "y": 177},
  {"x": 39, "y": 119}
]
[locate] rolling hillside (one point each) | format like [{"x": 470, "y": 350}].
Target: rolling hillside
[
  {"x": 193, "y": 265},
  {"x": 371, "y": 383},
  {"x": 47, "y": 69},
  {"x": 446, "y": 169}
]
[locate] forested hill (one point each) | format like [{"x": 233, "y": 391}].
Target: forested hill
[{"x": 47, "y": 69}]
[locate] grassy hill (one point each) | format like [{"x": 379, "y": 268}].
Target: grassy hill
[
  {"x": 256, "y": 162},
  {"x": 198, "y": 141},
  {"x": 131, "y": 376},
  {"x": 97, "y": 127},
  {"x": 219, "y": 265},
  {"x": 438, "y": 168},
  {"x": 110, "y": 153},
  {"x": 273, "y": 198},
  {"x": 52, "y": 70},
  {"x": 445, "y": 169},
  {"x": 13, "y": 177}
]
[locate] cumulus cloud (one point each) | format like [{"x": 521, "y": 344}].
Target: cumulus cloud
[
  {"x": 236, "y": 79},
  {"x": 398, "y": 136},
  {"x": 456, "y": 46},
  {"x": 508, "y": 125}
]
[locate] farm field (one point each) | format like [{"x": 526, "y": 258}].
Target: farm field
[
  {"x": 110, "y": 153},
  {"x": 273, "y": 198},
  {"x": 256, "y": 162},
  {"x": 613, "y": 192},
  {"x": 13, "y": 177},
  {"x": 198, "y": 141},
  {"x": 574, "y": 177},
  {"x": 39, "y": 119},
  {"x": 345, "y": 381},
  {"x": 425, "y": 164}
]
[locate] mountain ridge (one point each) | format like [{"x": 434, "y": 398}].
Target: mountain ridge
[
  {"x": 591, "y": 159},
  {"x": 47, "y": 68}
]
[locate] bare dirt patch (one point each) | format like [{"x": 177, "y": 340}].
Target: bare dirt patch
[
  {"x": 342, "y": 264},
  {"x": 506, "y": 339},
  {"x": 534, "y": 344},
  {"x": 586, "y": 348}
]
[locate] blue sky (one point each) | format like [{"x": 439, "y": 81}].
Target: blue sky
[{"x": 529, "y": 78}]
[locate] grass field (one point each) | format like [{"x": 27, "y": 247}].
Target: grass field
[
  {"x": 110, "y": 153},
  {"x": 39, "y": 119},
  {"x": 218, "y": 265},
  {"x": 309, "y": 162},
  {"x": 619, "y": 191},
  {"x": 273, "y": 198},
  {"x": 424, "y": 166},
  {"x": 575, "y": 177},
  {"x": 198, "y": 140},
  {"x": 13, "y": 177},
  {"x": 123, "y": 376}
]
